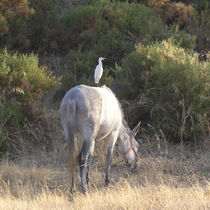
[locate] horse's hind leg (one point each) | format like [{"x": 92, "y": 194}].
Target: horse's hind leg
[
  {"x": 83, "y": 162},
  {"x": 72, "y": 179},
  {"x": 72, "y": 165},
  {"x": 89, "y": 162}
]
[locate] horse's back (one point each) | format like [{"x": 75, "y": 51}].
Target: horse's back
[
  {"x": 98, "y": 111},
  {"x": 89, "y": 98}
]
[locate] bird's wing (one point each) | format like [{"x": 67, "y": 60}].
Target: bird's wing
[{"x": 98, "y": 73}]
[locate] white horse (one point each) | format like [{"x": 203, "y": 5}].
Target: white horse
[{"x": 94, "y": 113}]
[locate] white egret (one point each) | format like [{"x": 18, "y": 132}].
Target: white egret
[{"x": 98, "y": 70}]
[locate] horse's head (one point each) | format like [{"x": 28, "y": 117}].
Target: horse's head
[{"x": 129, "y": 147}]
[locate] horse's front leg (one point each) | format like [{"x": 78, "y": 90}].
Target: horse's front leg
[{"x": 113, "y": 139}]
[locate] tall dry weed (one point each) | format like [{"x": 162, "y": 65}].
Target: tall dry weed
[{"x": 39, "y": 178}]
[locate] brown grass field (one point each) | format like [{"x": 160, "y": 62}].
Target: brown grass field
[{"x": 168, "y": 177}]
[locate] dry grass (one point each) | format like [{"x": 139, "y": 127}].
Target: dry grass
[
  {"x": 123, "y": 197},
  {"x": 169, "y": 177}
]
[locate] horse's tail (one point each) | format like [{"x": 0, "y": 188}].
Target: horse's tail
[
  {"x": 71, "y": 127},
  {"x": 68, "y": 121}
]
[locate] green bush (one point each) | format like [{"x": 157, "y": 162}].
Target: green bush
[
  {"x": 199, "y": 4},
  {"x": 110, "y": 29},
  {"x": 20, "y": 70},
  {"x": 178, "y": 13},
  {"x": 177, "y": 86},
  {"x": 200, "y": 27},
  {"x": 22, "y": 80},
  {"x": 13, "y": 21},
  {"x": 81, "y": 67},
  {"x": 134, "y": 22},
  {"x": 25, "y": 28},
  {"x": 116, "y": 25},
  {"x": 43, "y": 25},
  {"x": 22, "y": 83},
  {"x": 11, "y": 116},
  {"x": 4, "y": 26}
]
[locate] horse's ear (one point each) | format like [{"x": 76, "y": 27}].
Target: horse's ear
[{"x": 136, "y": 129}]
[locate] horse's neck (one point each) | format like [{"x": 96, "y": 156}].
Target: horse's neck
[
  {"x": 123, "y": 138},
  {"x": 122, "y": 132}
]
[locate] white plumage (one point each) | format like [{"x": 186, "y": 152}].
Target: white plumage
[{"x": 98, "y": 70}]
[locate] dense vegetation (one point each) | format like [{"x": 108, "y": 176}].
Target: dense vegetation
[
  {"x": 159, "y": 47},
  {"x": 176, "y": 84},
  {"x": 22, "y": 84}
]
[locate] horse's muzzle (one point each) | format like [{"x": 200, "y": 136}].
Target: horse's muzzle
[{"x": 133, "y": 168}]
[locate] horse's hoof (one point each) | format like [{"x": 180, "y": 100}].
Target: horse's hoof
[
  {"x": 84, "y": 191},
  {"x": 72, "y": 190},
  {"x": 71, "y": 198},
  {"x": 107, "y": 182},
  {"x": 88, "y": 185},
  {"x": 84, "y": 188},
  {"x": 133, "y": 170}
]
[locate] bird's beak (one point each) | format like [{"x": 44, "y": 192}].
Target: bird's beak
[{"x": 103, "y": 59}]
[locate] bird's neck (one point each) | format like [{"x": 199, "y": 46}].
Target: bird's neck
[{"x": 100, "y": 62}]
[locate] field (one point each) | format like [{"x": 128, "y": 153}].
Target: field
[
  {"x": 158, "y": 66},
  {"x": 168, "y": 177}
]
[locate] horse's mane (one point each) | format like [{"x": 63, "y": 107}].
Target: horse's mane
[
  {"x": 125, "y": 124},
  {"x": 105, "y": 87}
]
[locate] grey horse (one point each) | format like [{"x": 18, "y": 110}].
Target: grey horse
[{"x": 94, "y": 113}]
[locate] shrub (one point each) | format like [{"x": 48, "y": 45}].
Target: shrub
[
  {"x": 177, "y": 86},
  {"x": 90, "y": 24},
  {"x": 103, "y": 29},
  {"x": 4, "y": 26},
  {"x": 200, "y": 27},
  {"x": 22, "y": 83},
  {"x": 150, "y": 3},
  {"x": 43, "y": 25},
  {"x": 11, "y": 116},
  {"x": 81, "y": 67},
  {"x": 155, "y": 3},
  {"x": 183, "y": 39},
  {"x": 13, "y": 15},
  {"x": 22, "y": 80},
  {"x": 110, "y": 29},
  {"x": 178, "y": 13},
  {"x": 29, "y": 28},
  {"x": 199, "y": 5},
  {"x": 13, "y": 8}
]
